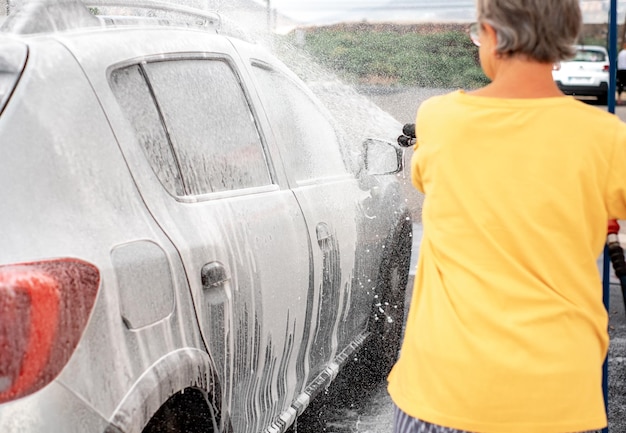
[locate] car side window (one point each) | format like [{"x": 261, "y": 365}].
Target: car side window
[
  {"x": 211, "y": 129},
  {"x": 306, "y": 134},
  {"x": 210, "y": 124},
  {"x": 133, "y": 95}
]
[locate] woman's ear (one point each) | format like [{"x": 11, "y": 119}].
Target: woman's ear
[{"x": 489, "y": 36}]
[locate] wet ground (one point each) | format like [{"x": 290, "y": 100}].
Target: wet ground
[{"x": 351, "y": 406}]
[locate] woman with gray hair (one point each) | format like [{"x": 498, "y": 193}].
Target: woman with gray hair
[{"x": 507, "y": 331}]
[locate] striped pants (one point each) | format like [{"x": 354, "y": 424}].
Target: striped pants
[{"x": 403, "y": 423}]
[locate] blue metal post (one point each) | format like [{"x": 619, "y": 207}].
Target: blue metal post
[
  {"x": 612, "y": 48},
  {"x": 605, "y": 297}
]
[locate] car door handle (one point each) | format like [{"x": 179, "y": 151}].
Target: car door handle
[{"x": 213, "y": 274}]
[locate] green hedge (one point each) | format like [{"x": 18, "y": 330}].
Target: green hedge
[{"x": 447, "y": 59}]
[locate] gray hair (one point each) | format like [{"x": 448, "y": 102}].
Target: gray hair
[{"x": 543, "y": 30}]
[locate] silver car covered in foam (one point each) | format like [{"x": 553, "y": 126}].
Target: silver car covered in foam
[{"x": 184, "y": 247}]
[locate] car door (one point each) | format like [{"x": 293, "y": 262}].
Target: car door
[
  {"x": 328, "y": 196},
  {"x": 241, "y": 235}
]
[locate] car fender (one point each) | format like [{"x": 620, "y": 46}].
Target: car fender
[{"x": 173, "y": 373}]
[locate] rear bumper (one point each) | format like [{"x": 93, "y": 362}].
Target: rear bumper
[
  {"x": 51, "y": 409},
  {"x": 601, "y": 90}
]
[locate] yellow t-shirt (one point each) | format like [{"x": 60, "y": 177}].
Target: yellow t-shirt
[{"x": 507, "y": 331}]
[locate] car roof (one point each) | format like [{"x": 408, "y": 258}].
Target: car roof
[{"x": 591, "y": 48}]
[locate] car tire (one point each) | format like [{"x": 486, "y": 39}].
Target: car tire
[
  {"x": 603, "y": 99},
  {"x": 387, "y": 320},
  {"x": 188, "y": 411}
]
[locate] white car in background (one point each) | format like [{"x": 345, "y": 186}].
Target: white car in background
[{"x": 587, "y": 74}]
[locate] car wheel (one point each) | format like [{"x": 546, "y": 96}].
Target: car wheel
[
  {"x": 387, "y": 320},
  {"x": 603, "y": 99}
]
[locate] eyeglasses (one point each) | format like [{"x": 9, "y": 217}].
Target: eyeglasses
[{"x": 474, "y": 33}]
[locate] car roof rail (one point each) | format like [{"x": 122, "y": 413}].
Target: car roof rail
[
  {"x": 45, "y": 16},
  {"x": 42, "y": 16},
  {"x": 120, "y": 12}
]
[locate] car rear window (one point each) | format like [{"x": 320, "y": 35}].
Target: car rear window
[{"x": 585, "y": 55}]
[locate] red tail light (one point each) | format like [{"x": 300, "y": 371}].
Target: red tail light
[
  {"x": 605, "y": 68},
  {"x": 44, "y": 307}
]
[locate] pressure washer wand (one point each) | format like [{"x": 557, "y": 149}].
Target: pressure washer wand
[
  {"x": 616, "y": 254},
  {"x": 407, "y": 139}
]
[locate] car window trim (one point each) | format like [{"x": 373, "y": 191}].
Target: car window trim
[
  {"x": 198, "y": 198},
  {"x": 157, "y": 106}
]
